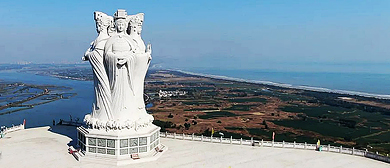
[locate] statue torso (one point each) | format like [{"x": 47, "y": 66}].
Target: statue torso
[{"x": 120, "y": 45}]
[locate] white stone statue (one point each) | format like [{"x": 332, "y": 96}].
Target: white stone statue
[
  {"x": 125, "y": 62},
  {"x": 101, "y": 107}
]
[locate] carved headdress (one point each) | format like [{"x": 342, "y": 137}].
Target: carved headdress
[
  {"x": 103, "y": 20},
  {"x": 135, "y": 21}
]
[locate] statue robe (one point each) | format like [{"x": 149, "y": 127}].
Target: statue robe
[
  {"x": 101, "y": 107},
  {"x": 140, "y": 69},
  {"x": 121, "y": 76}
]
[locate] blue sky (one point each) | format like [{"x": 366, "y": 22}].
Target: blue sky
[{"x": 201, "y": 34}]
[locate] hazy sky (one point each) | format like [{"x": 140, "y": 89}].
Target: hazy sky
[{"x": 220, "y": 34}]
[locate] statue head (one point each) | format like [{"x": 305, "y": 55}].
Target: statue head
[
  {"x": 135, "y": 24},
  {"x": 103, "y": 21},
  {"x": 120, "y": 20},
  {"x": 121, "y": 25}
]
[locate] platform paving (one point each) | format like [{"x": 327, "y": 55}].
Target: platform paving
[{"x": 47, "y": 147}]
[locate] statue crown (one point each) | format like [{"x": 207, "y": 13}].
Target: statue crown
[{"x": 120, "y": 14}]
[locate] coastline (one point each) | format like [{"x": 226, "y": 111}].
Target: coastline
[
  {"x": 222, "y": 77},
  {"x": 287, "y": 86}
]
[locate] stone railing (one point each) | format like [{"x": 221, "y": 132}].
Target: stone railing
[
  {"x": 262, "y": 143},
  {"x": 6, "y": 130}
]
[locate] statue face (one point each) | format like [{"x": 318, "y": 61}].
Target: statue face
[
  {"x": 120, "y": 25},
  {"x": 139, "y": 28}
]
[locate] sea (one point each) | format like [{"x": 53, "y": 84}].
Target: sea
[
  {"x": 363, "y": 82},
  {"x": 79, "y": 105}
]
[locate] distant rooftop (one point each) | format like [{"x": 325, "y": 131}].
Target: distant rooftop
[{"x": 46, "y": 147}]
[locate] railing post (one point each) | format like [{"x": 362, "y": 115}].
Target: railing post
[
  {"x": 231, "y": 139},
  {"x": 192, "y": 137},
  {"x": 353, "y": 148},
  {"x": 262, "y": 142},
  {"x": 294, "y": 145},
  {"x": 341, "y": 148},
  {"x": 201, "y": 138},
  {"x": 305, "y": 145},
  {"x": 283, "y": 144},
  {"x": 220, "y": 141},
  {"x": 166, "y": 134},
  {"x": 174, "y": 135},
  {"x": 328, "y": 147},
  {"x": 241, "y": 141},
  {"x": 183, "y": 136}
]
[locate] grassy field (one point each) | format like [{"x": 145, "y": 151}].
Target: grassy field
[{"x": 254, "y": 110}]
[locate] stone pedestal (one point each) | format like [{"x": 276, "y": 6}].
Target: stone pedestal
[{"x": 116, "y": 146}]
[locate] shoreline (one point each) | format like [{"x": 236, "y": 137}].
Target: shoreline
[
  {"x": 270, "y": 83},
  {"x": 288, "y": 86}
]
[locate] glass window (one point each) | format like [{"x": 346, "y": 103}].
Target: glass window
[
  {"x": 124, "y": 143},
  {"x": 134, "y": 142},
  {"x": 101, "y": 142},
  {"x": 133, "y": 150},
  {"x": 111, "y": 151},
  {"x": 92, "y": 141},
  {"x": 110, "y": 143},
  {"x": 124, "y": 151},
  {"x": 92, "y": 149},
  {"x": 142, "y": 141},
  {"x": 101, "y": 150},
  {"x": 142, "y": 149}
]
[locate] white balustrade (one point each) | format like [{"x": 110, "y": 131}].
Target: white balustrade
[{"x": 262, "y": 143}]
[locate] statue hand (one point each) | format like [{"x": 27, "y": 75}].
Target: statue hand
[
  {"x": 149, "y": 48},
  {"x": 85, "y": 57},
  {"x": 87, "y": 52},
  {"x": 149, "y": 59},
  {"x": 121, "y": 61}
]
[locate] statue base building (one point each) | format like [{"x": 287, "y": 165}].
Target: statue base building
[{"x": 120, "y": 147}]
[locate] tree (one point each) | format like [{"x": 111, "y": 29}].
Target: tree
[{"x": 187, "y": 125}]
